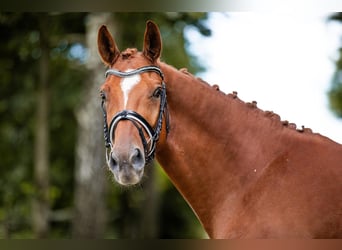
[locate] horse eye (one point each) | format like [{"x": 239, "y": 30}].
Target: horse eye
[
  {"x": 103, "y": 95},
  {"x": 157, "y": 93}
]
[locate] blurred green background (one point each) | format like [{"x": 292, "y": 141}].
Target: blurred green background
[{"x": 54, "y": 182}]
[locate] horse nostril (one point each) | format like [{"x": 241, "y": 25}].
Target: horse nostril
[
  {"x": 113, "y": 161},
  {"x": 137, "y": 159}
]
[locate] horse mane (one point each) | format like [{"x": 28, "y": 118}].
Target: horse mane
[{"x": 251, "y": 105}]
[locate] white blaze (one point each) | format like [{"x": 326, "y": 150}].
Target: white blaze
[{"x": 127, "y": 84}]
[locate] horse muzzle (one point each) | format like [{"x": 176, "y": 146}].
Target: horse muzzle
[{"x": 128, "y": 167}]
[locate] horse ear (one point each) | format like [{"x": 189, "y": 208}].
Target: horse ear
[
  {"x": 108, "y": 50},
  {"x": 152, "y": 42}
]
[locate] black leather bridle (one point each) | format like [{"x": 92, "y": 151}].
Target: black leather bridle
[{"x": 138, "y": 121}]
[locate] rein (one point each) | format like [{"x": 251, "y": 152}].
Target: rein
[{"x": 138, "y": 121}]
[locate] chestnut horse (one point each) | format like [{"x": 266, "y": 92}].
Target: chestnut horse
[{"x": 244, "y": 172}]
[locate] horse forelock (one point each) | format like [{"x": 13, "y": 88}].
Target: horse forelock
[
  {"x": 128, "y": 53},
  {"x": 130, "y": 58}
]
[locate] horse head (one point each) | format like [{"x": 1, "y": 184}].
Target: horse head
[{"x": 134, "y": 103}]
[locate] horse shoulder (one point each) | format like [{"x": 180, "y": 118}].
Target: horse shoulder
[{"x": 296, "y": 195}]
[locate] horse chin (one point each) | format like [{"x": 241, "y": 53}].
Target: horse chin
[{"x": 128, "y": 177}]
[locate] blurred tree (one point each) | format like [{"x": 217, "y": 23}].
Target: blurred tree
[
  {"x": 40, "y": 202},
  {"x": 90, "y": 207},
  {"x": 335, "y": 92}
]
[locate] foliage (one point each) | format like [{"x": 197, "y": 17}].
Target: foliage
[
  {"x": 335, "y": 92},
  {"x": 19, "y": 75},
  {"x": 20, "y": 52}
]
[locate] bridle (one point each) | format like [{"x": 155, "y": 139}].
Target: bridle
[{"x": 138, "y": 121}]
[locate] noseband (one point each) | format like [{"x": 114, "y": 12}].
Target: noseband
[{"x": 138, "y": 121}]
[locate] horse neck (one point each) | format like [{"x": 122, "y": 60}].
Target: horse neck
[{"x": 211, "y": 151}]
